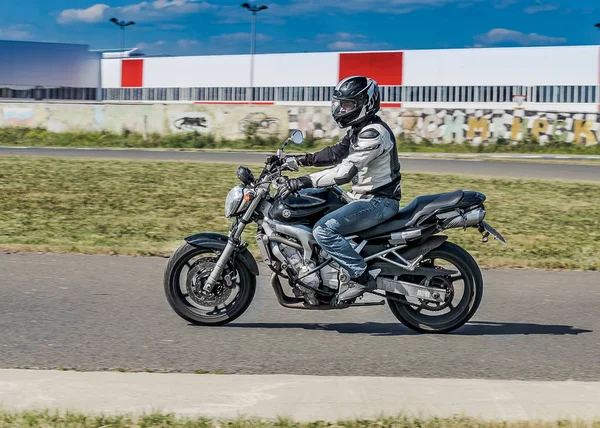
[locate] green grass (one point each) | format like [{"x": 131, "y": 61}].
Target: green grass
[
  {"x": 147, "y": 208},
  {"x": 52, "y": 419},
  {"x": 14, "y": 136},
  {"x": 527, "y": 146}
]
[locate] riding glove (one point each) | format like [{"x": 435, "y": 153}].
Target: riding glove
[{"x": 293, "y": 185}]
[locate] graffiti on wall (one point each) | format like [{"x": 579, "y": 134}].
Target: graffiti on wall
[
  {"x": 190, "y": 122},
  {"x": 472, "y": 126},
  {"x": 437, "y": 125},
  {"x": 477, "y": 126},
  {"x": 75, "y": 117},
  {"x": 17, "y": 116},
  {"x": 316, "y": 121},
  {"x": 263, "y": 122}
]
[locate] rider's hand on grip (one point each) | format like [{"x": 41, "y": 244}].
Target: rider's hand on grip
[
  {"x": 292, "y": 186},
  {"x": 274, "y": 161}
]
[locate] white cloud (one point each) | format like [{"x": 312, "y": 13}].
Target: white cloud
[
  {"x": 540, "y": 8},
  {"x": 237, "y": 15},
  {"x": 16, "y": 32},
  {"x": 502, "y": 35},
  {"x": 345, "y": 42},
  {"x": 276, "y": 12},
  {"x": 157, "y": 9},
  {"x": 183, "y": 43},
  {"x": 354, "y": 46},
  {"x": 93, "y": 13},
  {"x": 150, "y": 46},
  {"x": 343, "y": 46},
  {"x": 357, "y": 6},
  {"x": 172, "y": 27},
  {"x": 238, "y": 38},
  {"x": 502, "y": 4},
  {"x": 339, "y": 36}
]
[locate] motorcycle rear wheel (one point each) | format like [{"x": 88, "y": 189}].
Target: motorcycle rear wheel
[{"x": 470, "y": 274}]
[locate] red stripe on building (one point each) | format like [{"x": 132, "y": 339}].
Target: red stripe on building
[
  {"x": 384, "y": 67},
  {"x": 132, "y": 73},
  {"x": 387, "y": 105},
  {"x": 236, "y": 102}
]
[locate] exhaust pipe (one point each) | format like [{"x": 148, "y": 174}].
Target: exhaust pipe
[
  {"x": 298, "y": 303},
  {"x": 469, "y": 219}
]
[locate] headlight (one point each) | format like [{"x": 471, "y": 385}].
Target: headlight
[{"x": 233, "y": 200}]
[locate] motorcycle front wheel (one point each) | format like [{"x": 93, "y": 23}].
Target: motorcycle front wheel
[
  {"x": 464, "y": 293},
  {"x": 185, "y": 274}
]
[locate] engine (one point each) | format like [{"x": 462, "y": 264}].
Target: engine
[
  {"x": 293, "y": 258},
  {"x": 332, "y": 275}
]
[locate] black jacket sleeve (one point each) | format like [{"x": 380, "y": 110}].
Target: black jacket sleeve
[{"x": 329, "y": 156}]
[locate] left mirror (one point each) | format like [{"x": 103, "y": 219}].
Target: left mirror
[{"x": 297, "y": 137}]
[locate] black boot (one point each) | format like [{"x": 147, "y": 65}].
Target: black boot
[{"x": 362, "y": 284}]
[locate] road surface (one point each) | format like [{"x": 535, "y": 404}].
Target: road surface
[
  {"x": 409, "y": 164},
  {"x": 100, "y": 312}
]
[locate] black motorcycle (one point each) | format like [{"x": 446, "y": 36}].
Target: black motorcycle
[{"x": 431, "y": 285}]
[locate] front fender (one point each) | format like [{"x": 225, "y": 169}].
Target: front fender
[{"x": 217, "y": 241}]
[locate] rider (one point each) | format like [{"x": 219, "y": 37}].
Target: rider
[{"x": 367, "y": 156}]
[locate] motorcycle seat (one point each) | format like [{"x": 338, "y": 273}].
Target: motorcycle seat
[{"x": 410, "y": 214}]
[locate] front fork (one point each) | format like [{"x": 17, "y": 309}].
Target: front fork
[{"x": 232, "y": 242}]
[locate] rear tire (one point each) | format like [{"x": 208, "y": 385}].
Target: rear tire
[
  {"x": 186, "y": 309},
  {"x": 463, "y": 312}
]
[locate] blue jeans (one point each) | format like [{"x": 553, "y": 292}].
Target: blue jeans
[{"x": 358, "y": 215}]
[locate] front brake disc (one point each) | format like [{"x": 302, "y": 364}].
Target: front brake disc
[{"x": 196, "y": 279}]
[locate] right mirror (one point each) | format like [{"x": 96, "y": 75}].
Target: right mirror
[{"x": 297, "y": 137}]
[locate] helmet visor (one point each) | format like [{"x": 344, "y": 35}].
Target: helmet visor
[{"x": 342, "y": 107}]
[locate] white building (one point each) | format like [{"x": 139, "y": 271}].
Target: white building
[
  {"x": 563, "y": 78},
  {"x": 551, "y": 78}
]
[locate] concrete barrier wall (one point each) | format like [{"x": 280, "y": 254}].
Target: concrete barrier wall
[{"x": 230, "y": 121}]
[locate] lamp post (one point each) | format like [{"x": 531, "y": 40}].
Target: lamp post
[
  {"x": 254, "y": 9},
  {"x": 122, "y": 25}
]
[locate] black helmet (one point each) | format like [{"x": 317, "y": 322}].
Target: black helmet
[{"x": 355, "y": 99}]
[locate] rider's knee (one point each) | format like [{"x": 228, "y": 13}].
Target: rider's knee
[
  {"x": 323, "y": 233},
  {"x": 320, "y": 234}
]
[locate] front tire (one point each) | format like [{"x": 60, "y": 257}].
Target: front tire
[
  {"x": 457, "y": 316},
  {"x": 189, "y": 262}
]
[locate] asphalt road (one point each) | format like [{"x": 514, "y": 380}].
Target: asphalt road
[
  {"x": 474, "y": 167},
  {"x": 98, "y": 312}
]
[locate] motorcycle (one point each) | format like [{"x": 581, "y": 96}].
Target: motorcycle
[{"x": 430, "y": 284}]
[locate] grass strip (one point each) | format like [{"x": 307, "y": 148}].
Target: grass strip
[
  {"x": 25, "y": 137},
  {"x": 51, "y": 419},
  {"x": 147, "y": 208}
]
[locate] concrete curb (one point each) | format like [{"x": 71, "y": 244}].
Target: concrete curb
[{"x": 302, "y": 398}]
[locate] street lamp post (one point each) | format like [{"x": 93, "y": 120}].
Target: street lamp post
[
  {"x": 254, "y": 9},
  {"x": 122, "y": 25}
]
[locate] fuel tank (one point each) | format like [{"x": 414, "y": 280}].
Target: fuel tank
[{"x": 308, "y": 208}]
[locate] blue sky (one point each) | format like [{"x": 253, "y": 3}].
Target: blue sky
[{"x": 191, "y": 27}]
